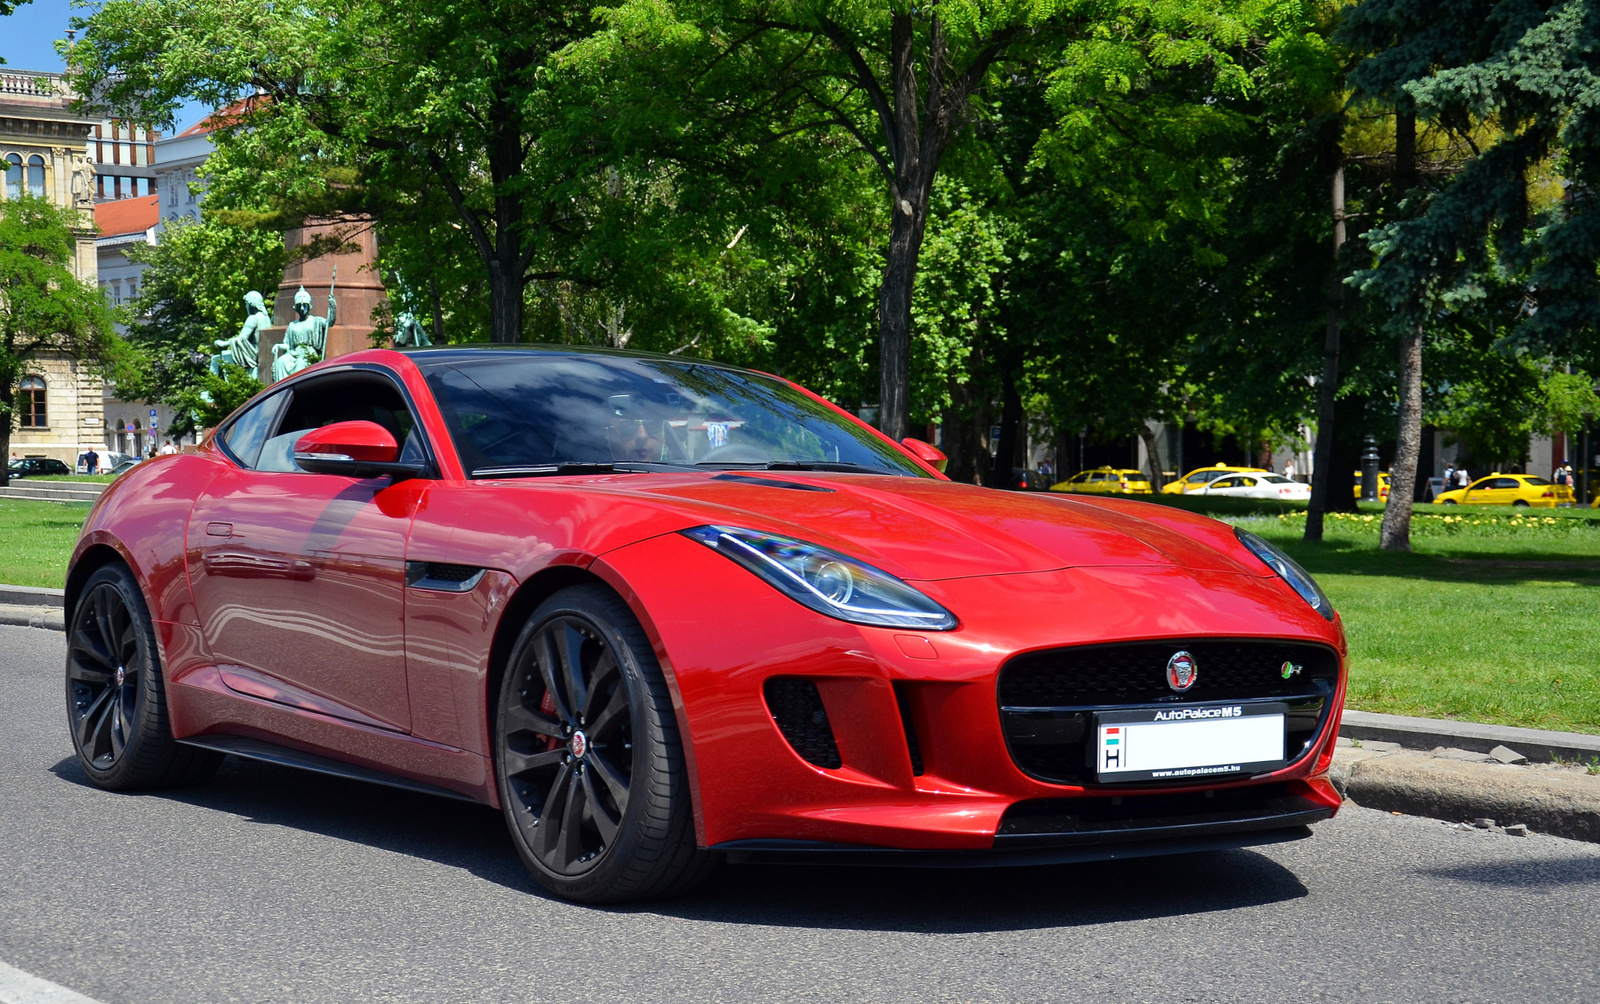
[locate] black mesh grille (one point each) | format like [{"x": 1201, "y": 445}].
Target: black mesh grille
[
  {"x": 796, "y": 707},
  {"x": 903, "y": 697},
  {"x": 441, "y": 572},
  {"x": 1048, "y": 698}
]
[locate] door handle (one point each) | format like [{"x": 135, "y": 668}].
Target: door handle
[{"x": 219, "y": 529}]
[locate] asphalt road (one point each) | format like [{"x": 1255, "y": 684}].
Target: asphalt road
[{"x": 271, "y": 885}]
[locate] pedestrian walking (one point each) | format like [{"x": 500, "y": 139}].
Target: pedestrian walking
[
  {"x": 1449, "y": 476},
  {"x": 168, "y": 450},
  {"x": 91, "y": 461},
  {"x": 1046, "y": 469},
  {"x": 1288, "y": 468},
  {"x": 1462, "y": 478}
]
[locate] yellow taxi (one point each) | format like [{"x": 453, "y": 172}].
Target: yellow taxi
[
  {"x": 1106, "y": 481},
  {"x": 1509, "y": 489},
  {"x": 1383, "y": 486},
  {"x": 1202, "y": 476}
]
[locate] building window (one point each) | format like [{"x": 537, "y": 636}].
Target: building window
[
  {"x": 36, "y": 176},
  {"x": 32, "y": 404},
  {"x": 116, "y": 294},
  {"x": 172, "y": 190},
  {"x": 13, "y": 176},
  {"x": 190, "y": 190},
  {"x": 138, "y": 439}
]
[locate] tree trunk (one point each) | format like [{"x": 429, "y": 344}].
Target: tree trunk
[
  {"x": 438, "y": 311},
  {"x": 1396, "y": 532},
  {"x": 1152, "y": 449},
  {"x": 1323, "y": 480},
  {"x": 1010, "y": 419},
  {"x": 894, "y": 314},
  {"x": 962, "y": 444},
  {"x": 9, "y": 381},
  {"x": 505, "y": 304}
]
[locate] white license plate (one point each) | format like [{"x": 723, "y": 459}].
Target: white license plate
[{"x": 1184, "y": 742}]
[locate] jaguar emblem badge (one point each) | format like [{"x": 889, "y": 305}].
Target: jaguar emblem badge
[
  {"x": 1181, "y": 671},
  {"x": 1289, "y": 669}
]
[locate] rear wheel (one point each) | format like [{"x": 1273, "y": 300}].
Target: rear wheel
[
  {"x": 587, "y": 757},
  {"x": 1521, "y": 502},
  {"x": 1448, "y": 502},
  {"x": 116, "y": 700}
]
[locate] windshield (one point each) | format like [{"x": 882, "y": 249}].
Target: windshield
[{"x": 518, "y": 409}]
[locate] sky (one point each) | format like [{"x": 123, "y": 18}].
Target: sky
[{"x": 27, "y": 42}]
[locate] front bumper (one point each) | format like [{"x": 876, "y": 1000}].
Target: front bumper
[{"x": 923, "y": 763}]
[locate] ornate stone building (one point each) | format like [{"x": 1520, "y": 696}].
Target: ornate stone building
[{"x": 44, "y": 152}]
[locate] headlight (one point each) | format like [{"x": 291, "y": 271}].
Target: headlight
[
  {"x": 826, "y": 581},
  {"x": 1298, "y": 578}
]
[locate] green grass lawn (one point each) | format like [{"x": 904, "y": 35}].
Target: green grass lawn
[
  {"x": 1494, "y": 617},
  {"x": 101, "y": 478},
  {"x": 36, "y": 540}
]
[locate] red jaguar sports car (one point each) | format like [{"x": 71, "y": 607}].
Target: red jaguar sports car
[{"x": 664, "y": 612}]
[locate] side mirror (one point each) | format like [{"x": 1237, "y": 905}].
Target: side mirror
[
  {"x": 927, "y": 453},
  {"x": 354, "y": 450}
]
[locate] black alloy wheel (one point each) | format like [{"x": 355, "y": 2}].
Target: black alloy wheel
[
  {"x": 116, "y": 703},
  {"x": 591, "y": 774}
]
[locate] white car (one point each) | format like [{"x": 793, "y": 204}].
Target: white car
[{"x": 1257, "y": 486}]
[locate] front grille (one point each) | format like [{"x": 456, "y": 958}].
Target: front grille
[
  {"x": 797, "y": 709},
  {"x": 1048, "y": 698}
]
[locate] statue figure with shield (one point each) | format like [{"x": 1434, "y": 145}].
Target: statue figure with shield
[{"x": 305, "y": 337}]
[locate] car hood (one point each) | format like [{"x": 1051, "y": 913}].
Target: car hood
[{"x": 925, "y": 529}]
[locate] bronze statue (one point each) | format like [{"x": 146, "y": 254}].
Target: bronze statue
[
  {"x": 305, "y": 337},
  {"x": 244, "y": 349}
]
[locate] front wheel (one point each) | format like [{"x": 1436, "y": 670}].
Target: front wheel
[
  {"x": 116, "y": 699},
  {"x": 587, "y": 756},
  {"x": 1448, "y": 502}
]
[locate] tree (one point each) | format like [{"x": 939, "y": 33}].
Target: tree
[
  {"x": 356, "y": 104},
  {"x": 1515, "y": 82},
  {"x": 44, "y": 307},
  {"x": 900, "y": 81}
]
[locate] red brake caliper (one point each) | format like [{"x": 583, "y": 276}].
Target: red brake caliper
[{"x": 548, "y": 706}]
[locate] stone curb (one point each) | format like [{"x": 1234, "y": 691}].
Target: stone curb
[
  {"x": 1428, "y": 733},
  {"x": 49, "y": 618},
  {"x": 1563, "y": 804},
  {"x": 32, "y": 596}
]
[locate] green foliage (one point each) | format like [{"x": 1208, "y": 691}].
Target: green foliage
[
  {"x": 192, "y": 294},
  {"x": 1569, "y": 402}
]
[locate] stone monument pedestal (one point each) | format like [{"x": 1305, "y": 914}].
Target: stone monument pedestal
[{"x": 343, "y": 339}]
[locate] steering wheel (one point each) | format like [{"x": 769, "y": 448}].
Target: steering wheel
[{"x": 735, "y": 453}]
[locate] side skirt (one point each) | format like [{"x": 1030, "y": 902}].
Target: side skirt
[{"x": 255, "y": 749}]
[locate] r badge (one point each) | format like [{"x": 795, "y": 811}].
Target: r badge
[{"x": 1181, "y": 671}]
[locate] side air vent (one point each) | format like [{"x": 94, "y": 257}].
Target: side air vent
[
  {"x": 902, "y": 697},
  {"x": 442, "y": 577},
  {"x": 797, "y": 709}
]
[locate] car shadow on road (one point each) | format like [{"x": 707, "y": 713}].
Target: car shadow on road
[
  {"x": 451, "y": 832},
  {"x": 920, "y": 900},
  {"x": 958, "y": 900}
]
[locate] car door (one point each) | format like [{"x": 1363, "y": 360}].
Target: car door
[
  {"x": 1225, "y": 486},
  {"x": 299, "y": 578}
]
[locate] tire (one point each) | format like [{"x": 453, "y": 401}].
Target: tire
[
  {"x": 1448, "y": 502},
  {"x": 588, "y": 761},
  {"x": 1520, "y": 502},
  {"x": 116, "y": 699}
]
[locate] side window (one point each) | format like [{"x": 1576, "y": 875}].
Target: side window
[
  {"x": 245, "y": 435},
  {"x": 342, "y": 397},
  {"x": 1504, "y": 483}
]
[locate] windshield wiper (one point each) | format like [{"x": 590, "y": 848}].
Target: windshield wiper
[
  {"x": 808, "y": 465},
  {"x": 568, "y": 468}
]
